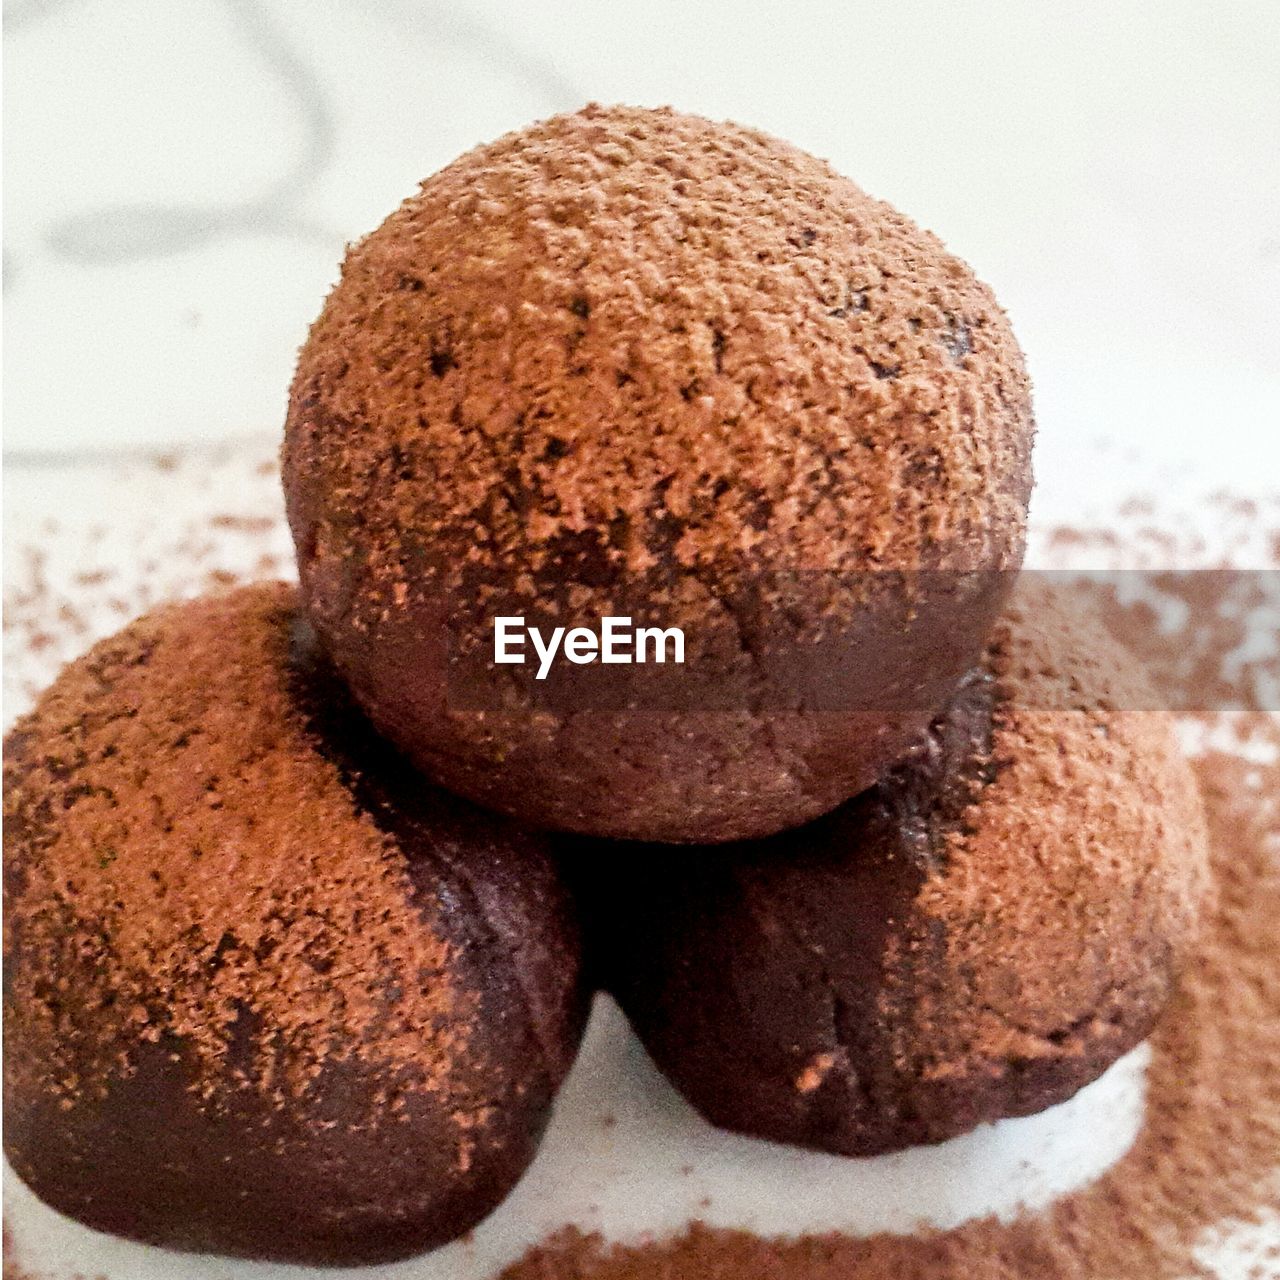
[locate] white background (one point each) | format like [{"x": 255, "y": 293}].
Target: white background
[{"x": 181, "y": 178}]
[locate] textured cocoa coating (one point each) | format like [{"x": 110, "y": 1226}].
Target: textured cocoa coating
[
  {"x": 267, "y": 994},
  {"x": 978, "y": 936},
  {"x": 633, "y": 356}
]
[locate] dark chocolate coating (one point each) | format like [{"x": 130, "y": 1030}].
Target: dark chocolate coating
[
  {"x": 377, "y": 1156},
  {"x": 895, "y": 973}
]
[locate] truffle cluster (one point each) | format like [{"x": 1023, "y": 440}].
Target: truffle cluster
[{"x": 293, "y": 968}]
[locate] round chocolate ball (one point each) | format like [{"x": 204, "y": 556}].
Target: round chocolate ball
[
  {"x": 267, "y": 993},
  {"x": 978, "y": 936},
  {"x": 632, "y": 363}
]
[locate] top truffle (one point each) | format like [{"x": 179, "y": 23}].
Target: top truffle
[{"x": 625, "y": 343}]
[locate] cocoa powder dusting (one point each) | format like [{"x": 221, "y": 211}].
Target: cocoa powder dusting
[
  {"x": 1206, "y": 1159},
  {"x": 678, "y": 340},
  {"x": 170, "y": 754},
  {"x": 1076, "y": 748}
]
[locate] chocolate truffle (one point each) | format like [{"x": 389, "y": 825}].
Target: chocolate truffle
[
  {"x": 633, "y": 363},
  {"x": 267, "y": 993},
  {"x": 978, "y": 936}
]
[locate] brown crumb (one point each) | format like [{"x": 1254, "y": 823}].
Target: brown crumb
[
  {"x": 814, "y": 1074},
  {"x": 245, "y": 524}
]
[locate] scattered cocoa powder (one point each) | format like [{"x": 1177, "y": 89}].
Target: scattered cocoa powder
[
  {"x": 1207, "y": 665},
  {"x": 244, "y": 524},
  {"x": 1207, "y": 1153},
  {"x": 212, "y": 512}
]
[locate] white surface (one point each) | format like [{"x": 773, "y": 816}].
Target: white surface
[
  {"x": 181, "y": 179},
  {"x": 626, "y": 1156}
]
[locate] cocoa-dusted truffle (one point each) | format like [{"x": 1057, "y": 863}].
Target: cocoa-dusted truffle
[
  {"x": 267, "y": 993},
  {"x": 633, "y": 363},
  {"x": 978, "y": 936}
]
